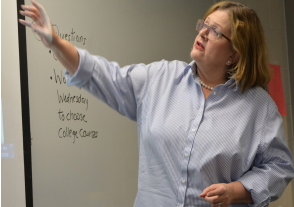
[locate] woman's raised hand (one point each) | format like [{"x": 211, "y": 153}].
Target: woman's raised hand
[
  {"x": 41, "y": 25},
  {"x": 64, "y": 51}
]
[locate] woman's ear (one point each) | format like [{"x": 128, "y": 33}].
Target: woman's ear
[{"x": 235, "y": 57}]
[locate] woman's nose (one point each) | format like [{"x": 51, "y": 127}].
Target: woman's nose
[{"x": 203, "y": 32}]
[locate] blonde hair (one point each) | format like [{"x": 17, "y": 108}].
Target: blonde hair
[{"x": 247, "y": 38}]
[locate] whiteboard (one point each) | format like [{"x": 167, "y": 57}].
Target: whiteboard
[{"x": 83, "y": 152}]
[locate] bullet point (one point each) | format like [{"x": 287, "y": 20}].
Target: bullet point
[{"x": 51, "y": 77}]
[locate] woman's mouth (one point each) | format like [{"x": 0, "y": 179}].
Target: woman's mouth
[{"x": 198, "y": 45}]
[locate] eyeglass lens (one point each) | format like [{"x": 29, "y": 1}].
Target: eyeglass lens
[{"x": 212, "y": 32}]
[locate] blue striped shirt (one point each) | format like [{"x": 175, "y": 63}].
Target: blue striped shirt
[{"x": 187, "y": 143}]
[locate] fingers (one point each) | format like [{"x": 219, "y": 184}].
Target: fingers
[
  {"x": 29, "y": 24},
  {"x": 214, "y": 199},
  {"x": 25, "y": 23},
  {"x": 31, "y": 10},
  {"x": 206, "y": 190},
  {"x": 28, "y": 14},
  {"x": 216, "y": 191},
  {"x": 41, "y": 23},
  {"x": 40, "y": 9},
  {"x": 210, "y": 194},
  {"x": 35, "y": 12},
  {"x": 38, "y": 14}
]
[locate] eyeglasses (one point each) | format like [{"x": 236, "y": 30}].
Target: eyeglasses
[{"x": 212, "y": 32}]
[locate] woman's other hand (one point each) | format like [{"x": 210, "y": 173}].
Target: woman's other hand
[
  {"x": 218, "y": 194},
  {"x": 41, "y": 23},
  {"x": 223, "y": 194}
]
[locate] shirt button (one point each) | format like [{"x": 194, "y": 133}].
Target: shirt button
[
  {"x": 201, "y": 110},
  {"x": 183, "y": 181},
  {"x": 186, "y": 155},
  {"x": 180, "y": 205},
  {"x": 214, "y": 93},
  {"x": 193, "y": 130}
]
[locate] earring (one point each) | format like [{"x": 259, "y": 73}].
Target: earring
[{"x": 229, "y": 62}]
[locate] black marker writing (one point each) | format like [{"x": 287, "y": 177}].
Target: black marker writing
[
  {"x": 71, "y": 116},
  {"x": 69, "y": 133},
  {"x": 59, "y": 79},
  {"x": 70, "y": 36},
  {"x": 72, "y": 99}
]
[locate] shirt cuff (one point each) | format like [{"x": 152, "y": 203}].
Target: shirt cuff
[
  {"x": 84, "y": 72},
  {"x": 258, "y": 191}
]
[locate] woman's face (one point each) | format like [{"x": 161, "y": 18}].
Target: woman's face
[{"x": 213, "y": 54}]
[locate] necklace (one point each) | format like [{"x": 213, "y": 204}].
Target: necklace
[{"x": 204, "y": 85}]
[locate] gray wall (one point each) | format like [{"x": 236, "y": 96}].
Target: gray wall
[
  {"x": 12, "y": 169},
  {"x": 289, "y": 10}
]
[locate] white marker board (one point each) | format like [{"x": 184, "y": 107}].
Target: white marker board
[{"x": 94, "y": 161}]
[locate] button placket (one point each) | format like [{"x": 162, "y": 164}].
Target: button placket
[{"x": 182, "y": 188}]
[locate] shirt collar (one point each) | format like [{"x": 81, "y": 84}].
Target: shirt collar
[{"x": 192, "y": 65}]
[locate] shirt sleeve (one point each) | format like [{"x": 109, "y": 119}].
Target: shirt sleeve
[
  {"x": 273, "y": 165},
  {"x": 121, "y": 88}
]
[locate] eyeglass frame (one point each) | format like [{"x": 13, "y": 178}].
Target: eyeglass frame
[{"x": 207, "y": 27}]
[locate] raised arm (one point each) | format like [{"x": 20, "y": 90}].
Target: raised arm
[{"x": 64, "y": 51}]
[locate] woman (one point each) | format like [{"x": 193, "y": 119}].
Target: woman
[{"x": 209, "y": 135}]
